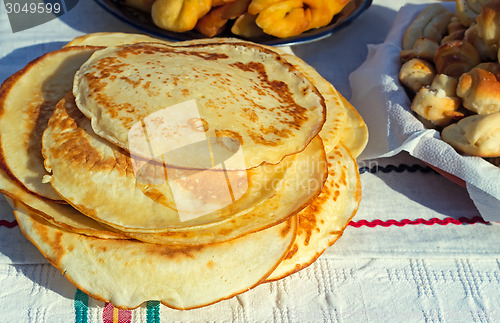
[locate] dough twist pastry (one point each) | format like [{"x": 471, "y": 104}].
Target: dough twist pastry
[{"x": 456, "y": 57}]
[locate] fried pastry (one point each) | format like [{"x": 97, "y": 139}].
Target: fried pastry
[
  {"x": 179, "y": 15},
  {"x": 284, "y": 19},
  {"x": 214, "y": 22},
  {"x": 246, "y": 26}
]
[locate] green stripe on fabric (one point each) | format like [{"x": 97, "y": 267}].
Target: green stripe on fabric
[
  {"x": 153, "y": 312},
  {"x": 81, "y": 306}
]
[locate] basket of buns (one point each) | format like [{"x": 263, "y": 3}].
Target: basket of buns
[
  {"x": 429, "y": 90},
  {"x": 451, "y": 71}
]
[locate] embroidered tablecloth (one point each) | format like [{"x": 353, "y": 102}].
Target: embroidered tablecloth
[{"x": 417, "y": 250}]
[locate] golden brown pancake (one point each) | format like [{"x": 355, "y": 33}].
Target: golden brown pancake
[
  {"x": 323, "y": 221},
  {"x": 115, "y": 195},
  {"x": 128, "y": 273},
  {"x": 242, "y": 93},
  {"x": 27, "y": 99}
]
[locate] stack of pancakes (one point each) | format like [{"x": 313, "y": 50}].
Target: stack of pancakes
[{"x": 182, "y": 172}]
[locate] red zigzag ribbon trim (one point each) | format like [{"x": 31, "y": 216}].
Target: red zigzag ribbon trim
[
  {"x": 404, "y": 222},
  {"x": 8, "y": 224},
  {"x": 370, "y": 224}
]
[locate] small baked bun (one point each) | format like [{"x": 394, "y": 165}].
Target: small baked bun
[
  {"x": 477, "y": 135},
  {"x": 455, "y": 58},
  {"x": 488, "y": 23},
  {"x": 491, "y": 67},
  {"x": 486, "y": 52},
  {"x": 456, "y": 30},
  {"x": 432, "y": 23},
  {"x": 480, "y": 91},
  {"x": 438, "y": 102},
  {"x": 467, "y": 10},
  {"x": 416, "y": 73},
  {"x": 424, "y": 48}
]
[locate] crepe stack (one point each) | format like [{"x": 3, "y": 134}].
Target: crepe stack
[{"x": 182, "y": 172}]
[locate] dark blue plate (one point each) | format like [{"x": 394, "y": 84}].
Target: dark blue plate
[{"x": 143, "y": 22}]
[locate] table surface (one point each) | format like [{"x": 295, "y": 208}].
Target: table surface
[{"x": 417, "y": 250}]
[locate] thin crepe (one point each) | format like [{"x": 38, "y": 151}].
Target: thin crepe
[
  {"x": 75, "y": 155},
  {"x": 128, "y": 273},
  {"x": 60, "y": 215},
  {"x": 242, "y": 93},
  {"x": 112, "y": 39},
  {"x": 323, "y": 221},
  {"x": 27, "y": 99}
]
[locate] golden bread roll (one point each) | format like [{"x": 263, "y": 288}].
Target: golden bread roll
[
  {"x": 456, "y": 30},
  {"x": 486, "y": 52},
  {"x": 455, "y": 58},
  {"x": 416, "y": 73},
  {"x": 480, "y": 91},
  {"x": 488, "y": 23},
  {"x": 467, "y": 10},
  {"x": 491, "y": 67},
  {"x": 477, "y": 135},
  {"x": 432, "y": 23},
  {"x": 438, "y": 103},
  {"x": 455, "y": 25},
  {"x": 424, "y": 48}
]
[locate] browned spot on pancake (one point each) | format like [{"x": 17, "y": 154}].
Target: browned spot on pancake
[
  {"x": 210, "y": 264},
  {"x": 336, "y": 195},
  {"x": 258, "y": 138},
  {"x": 284, "y": 232},
  {"x": 292, "y": 251},
  {"x": 50, "y": 237},
  {"x": 229, "y": 133},
  {"x": 224, "y": 232},
  {"x": 198, "y": 124},
  {"x": 250, "y": 114},
  {"x": 147, "y": 49},
  {"x": 174, "y": 252},
  {"x": 72, "y": 141},
  {"x": 289, "y": 106}
]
